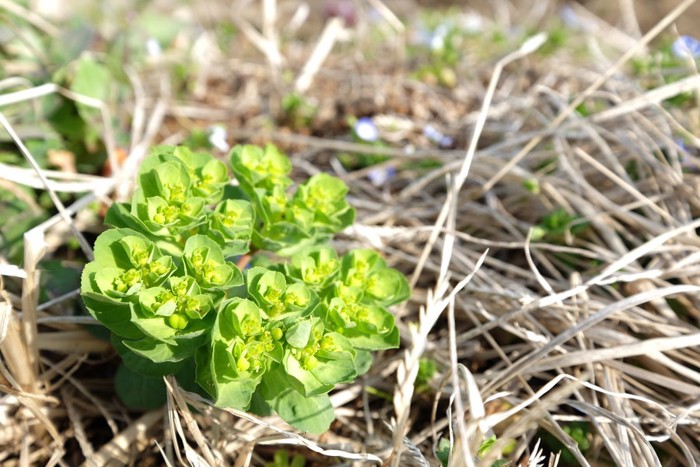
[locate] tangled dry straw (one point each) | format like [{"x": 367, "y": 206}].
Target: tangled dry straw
[{"x": 597, "y": 322}]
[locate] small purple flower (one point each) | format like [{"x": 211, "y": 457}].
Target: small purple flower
[
  {"x": 343, "y": 9},
  {"x": 687, "y": 160},
  {"x": 680, "y": 142},
  {"x": 569, "y": 17},
  {"x": 366, "y": 130},
  {"x": 434, "y": 135},
  {"x": 380, "y": 176},
  {"x": 686, "y": 47}
]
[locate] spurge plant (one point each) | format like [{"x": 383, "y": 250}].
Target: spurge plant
[{"x": 279, "y": 335}]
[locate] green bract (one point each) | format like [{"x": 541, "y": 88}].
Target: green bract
[{"x": 165, "y": 283}]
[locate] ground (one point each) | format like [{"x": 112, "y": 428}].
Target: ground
[{"x": 530, "y": 167}]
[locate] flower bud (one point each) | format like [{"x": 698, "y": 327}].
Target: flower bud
[
  {"x": 277, "y": 333},
  {"x": 310, "y": 363},
  {"x": 177, "y": 321},
  {"x": 242, "y": 364}
]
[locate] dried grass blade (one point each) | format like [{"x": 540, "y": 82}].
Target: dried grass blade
[{"x": 116, "y": 452}]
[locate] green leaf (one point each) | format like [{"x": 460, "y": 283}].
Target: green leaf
[
  {"x": 116, "y": 316},
  {"x": 158, "y": 352},
  {"x": 321, "y": 202},
  {"x": 258, "y": 168},
  {"x": 205, "y": 261},
  {"x": 94, "y": 80},
  {"x": 142, "y": 365},
  {"x": 74, "y": 38},
  {"x": 155, "y": 328},
  {"x": 285, "y": 238},
  {"x": 298, "y": 335},
  {"x": 335, "y": 371},
  {"x": 109, "y": 252},
  {"x": 139, "y": 392},
  {"x": 119, "y": 216},
  {"x": 444, "y": 448},
  {"x": 25, "y": 214},
  {"x": 363, "y": 361},
  {"x": 229, "y": 393},
  {"x": 309, "y": 414},
  {"x": 373, "y": 341},
  {"x": 486, "y": 446},
  {"x": 386, "y": 287},
  {"x": 208, "y": 175},
  {"x": 231, "y": 224},
  {"x": 156, "y": 156},
  {"x": 316, "y": 267}
]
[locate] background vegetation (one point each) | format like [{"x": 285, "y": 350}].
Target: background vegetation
[{"x": 532, "y": 167}]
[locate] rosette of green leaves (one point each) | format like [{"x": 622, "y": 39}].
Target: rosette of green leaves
[
  {"x": 279, "y": 301},
  {"x": 174, "y": 188},
  {"x": 208, "y": 175},
  {"x": 125, "y": 263},
  {"x": 133, "y": 289},
  {"x": 355, "y": 304},
  {"x": 367, "y": 327},
  {"x": 319, "y": 205},
  {"x": 124, "y": 287},
  {"x": 260, "y": 170},
  {"x": 231, "y": 225},
  {"x": 318, "y": 268},
  {"x": 286, "y": 225},
  {"x": 204, "y": 260},
  {"x": 263, "y": 176},
  {"x": 243, "y": 348},
  {"x": 278, "y": 230},
  {"x": 367, "y": 274},
  {"x": 316, "y": 360},
  {"x": 174, "y": 319}
]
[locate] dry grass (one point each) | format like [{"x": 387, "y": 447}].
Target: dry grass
[{"x": 598, "y": 324}]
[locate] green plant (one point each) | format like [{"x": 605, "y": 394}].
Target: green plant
[
  {"x": 556, "y": 224},
  {"x": 579, "y": 432},
  {"x": 298, "y": 112},
  {"x": 164, "y": 282},
  {"x": 281, "y": 459},
  {"x": 427, "y": 369},
  {"x": 443, "y": 451}
]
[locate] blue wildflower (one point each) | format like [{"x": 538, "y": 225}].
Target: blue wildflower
[
  {"x": 366, "y": 130},
  {"x": 569, "y": 17},
  {"x": 686, "y": 47},
  {"x": 687, "y": 160},
  {"x": 381, "y": 175},
  {"x": 434, "y": 135}
]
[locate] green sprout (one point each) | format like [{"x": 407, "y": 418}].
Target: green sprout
[
  {"x": 579, "y": 431},
  {"x": 166, "y": 283}
]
